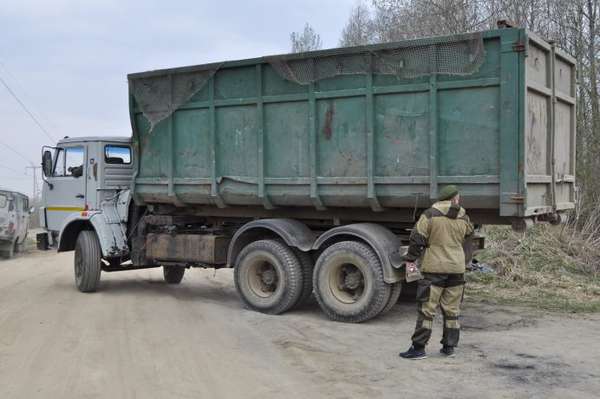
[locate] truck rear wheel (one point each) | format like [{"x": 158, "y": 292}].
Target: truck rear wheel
[
  {"x": 88, "y": 261},
  {"x": 307, "y": 265},
  {"x": 396, "y": 290},
  {"x": 268, "y": 276},
  {"x": 173, "y": 274},
  {"x": 348, "y": 282}
]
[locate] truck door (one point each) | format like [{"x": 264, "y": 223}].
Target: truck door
[
  {"x": 24, "y": 218},
  {"x": 66, "y": 190},
  {"x": 18, "y": 215},
  {"x": 4, "y": 213}
]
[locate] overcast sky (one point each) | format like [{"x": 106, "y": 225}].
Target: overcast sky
[{"x": 68, "y": 60}]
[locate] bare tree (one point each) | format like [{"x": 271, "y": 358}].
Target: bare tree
[
  {"x": 307, "y": 40},
  {"x": 359, "y": 28},
  {"x": 407, "y": 19}
]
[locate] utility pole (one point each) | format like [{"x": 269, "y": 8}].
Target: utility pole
[{"x": 34, "y": 169}]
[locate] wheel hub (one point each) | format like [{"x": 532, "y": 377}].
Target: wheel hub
[
  {"x": 263, "y": 278},
  {"x": 352, "y": 280},
  {"x": 347, "y": 283},
  {"x": 268, "y": 276}
]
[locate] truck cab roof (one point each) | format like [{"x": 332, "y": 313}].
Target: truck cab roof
[
  {"x": 117, "y": 139},
  {"x": 4, "y": 190}
]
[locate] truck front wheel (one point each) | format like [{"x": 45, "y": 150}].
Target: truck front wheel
[
  {"x": 88, "y": 261},
  {"x": 348, "y": 282},
  {"x": 9, "y": 249},
  {"x": 173, "y": 274},
  {"x": 268, "y": 276}
]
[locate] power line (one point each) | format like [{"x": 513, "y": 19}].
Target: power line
[
  {"x": 31, "y": 101},
  {"x": 13, "y": 170},
  {"x": 17, "y": 152},
  {"x": 12, "y": 93}
]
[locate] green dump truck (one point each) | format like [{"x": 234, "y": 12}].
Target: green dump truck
[{"x": 305, "y": 172}]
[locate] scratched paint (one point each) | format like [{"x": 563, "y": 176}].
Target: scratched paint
[{"x": 327, "y": 130}]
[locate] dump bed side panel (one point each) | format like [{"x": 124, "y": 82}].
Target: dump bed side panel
[
  {"x": 549, "y": 128},
  {"x": 260, "y": 133}
]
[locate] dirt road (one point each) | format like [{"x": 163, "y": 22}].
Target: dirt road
[{"x": 139, "y": 338}]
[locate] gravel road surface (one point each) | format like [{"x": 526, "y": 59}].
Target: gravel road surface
[{"x": 140, "y": 338}]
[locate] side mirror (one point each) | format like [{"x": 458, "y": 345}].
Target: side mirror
[
  {"x": 31, "y": 210},
  {"x": 47, "y": 163}
]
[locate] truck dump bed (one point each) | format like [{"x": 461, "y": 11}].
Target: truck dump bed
[{"x": 376, "y": 129}]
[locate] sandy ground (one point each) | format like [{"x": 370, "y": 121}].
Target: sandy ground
[{"x": 139, "y": 338}]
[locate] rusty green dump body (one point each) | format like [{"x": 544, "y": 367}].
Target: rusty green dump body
[{"x": 373, "y": 130}]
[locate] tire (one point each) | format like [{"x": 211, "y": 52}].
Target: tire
[
  {"x": 88, "y": 261},
  {"x": 396, "y": 290},
  {"x": 9, "y": 252},
  {"x": 348, "y": 282},
  {"x": 19, "y": 248},
  {"x": 268, "y": 276},
  {"x": 307, "y": 265},
  {"x": 173, "y": 274}
]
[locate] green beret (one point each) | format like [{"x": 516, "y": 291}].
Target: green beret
[{"x": 448, "y": 192}]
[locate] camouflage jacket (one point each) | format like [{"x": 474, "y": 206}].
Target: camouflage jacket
[{"x": 438, "y": 237}]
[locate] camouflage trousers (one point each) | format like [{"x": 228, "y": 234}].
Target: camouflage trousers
[{"x": 445, "y": 290}]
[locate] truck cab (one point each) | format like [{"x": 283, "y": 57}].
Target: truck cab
[{"x": 81, "y": 175}]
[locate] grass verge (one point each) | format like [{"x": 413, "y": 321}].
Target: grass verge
[{"x": 551, "y": 268}]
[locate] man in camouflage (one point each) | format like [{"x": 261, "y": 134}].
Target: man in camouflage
[{"x": 439, "y": 238}]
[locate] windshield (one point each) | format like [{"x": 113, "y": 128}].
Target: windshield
[{"x": 3, "y": 201}]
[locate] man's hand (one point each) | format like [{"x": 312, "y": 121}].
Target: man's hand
[
  {"x": 411, "y": 267},
  {"x": 412, "y": 272}
]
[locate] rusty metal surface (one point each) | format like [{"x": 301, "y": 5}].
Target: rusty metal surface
[
  {"x": 189, "y": 248},
  {"x": 251, "y": 139}
]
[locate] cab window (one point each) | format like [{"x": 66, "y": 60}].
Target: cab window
[
  {"x": 3, "y": 201},
  {"x": 69, "y": 162},
  {"x": 117, "y": 154}
]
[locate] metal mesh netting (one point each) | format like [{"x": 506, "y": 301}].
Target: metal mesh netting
[
  {"x": 159, "y": 96},
  {"x": 456, "y": 55}
]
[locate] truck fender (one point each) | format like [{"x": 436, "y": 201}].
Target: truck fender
[
  {"x": 72, "y": 226},
  {"x": 111, "y": 225},
  {"x": 292, "y": 232},
  {"x": 379, "y": 238},
  {"x": 112, "y": 237}
]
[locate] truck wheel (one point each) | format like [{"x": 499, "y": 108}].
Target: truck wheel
[
  {"x": 348, "y": 282},
  {"x": 88, "y": 264},
  {"x": 307, "y": 265},
  {"x": 396, "y": 290},
  {"x": 9, "y": 252},
  {"x": 268, "y": 276},
  {"x": 173, "y": 274}
]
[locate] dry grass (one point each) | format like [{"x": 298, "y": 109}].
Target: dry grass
[{"x": 548, "y": 267}]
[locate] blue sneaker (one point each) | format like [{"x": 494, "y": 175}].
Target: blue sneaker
[{"x": 414, "y": 354}]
